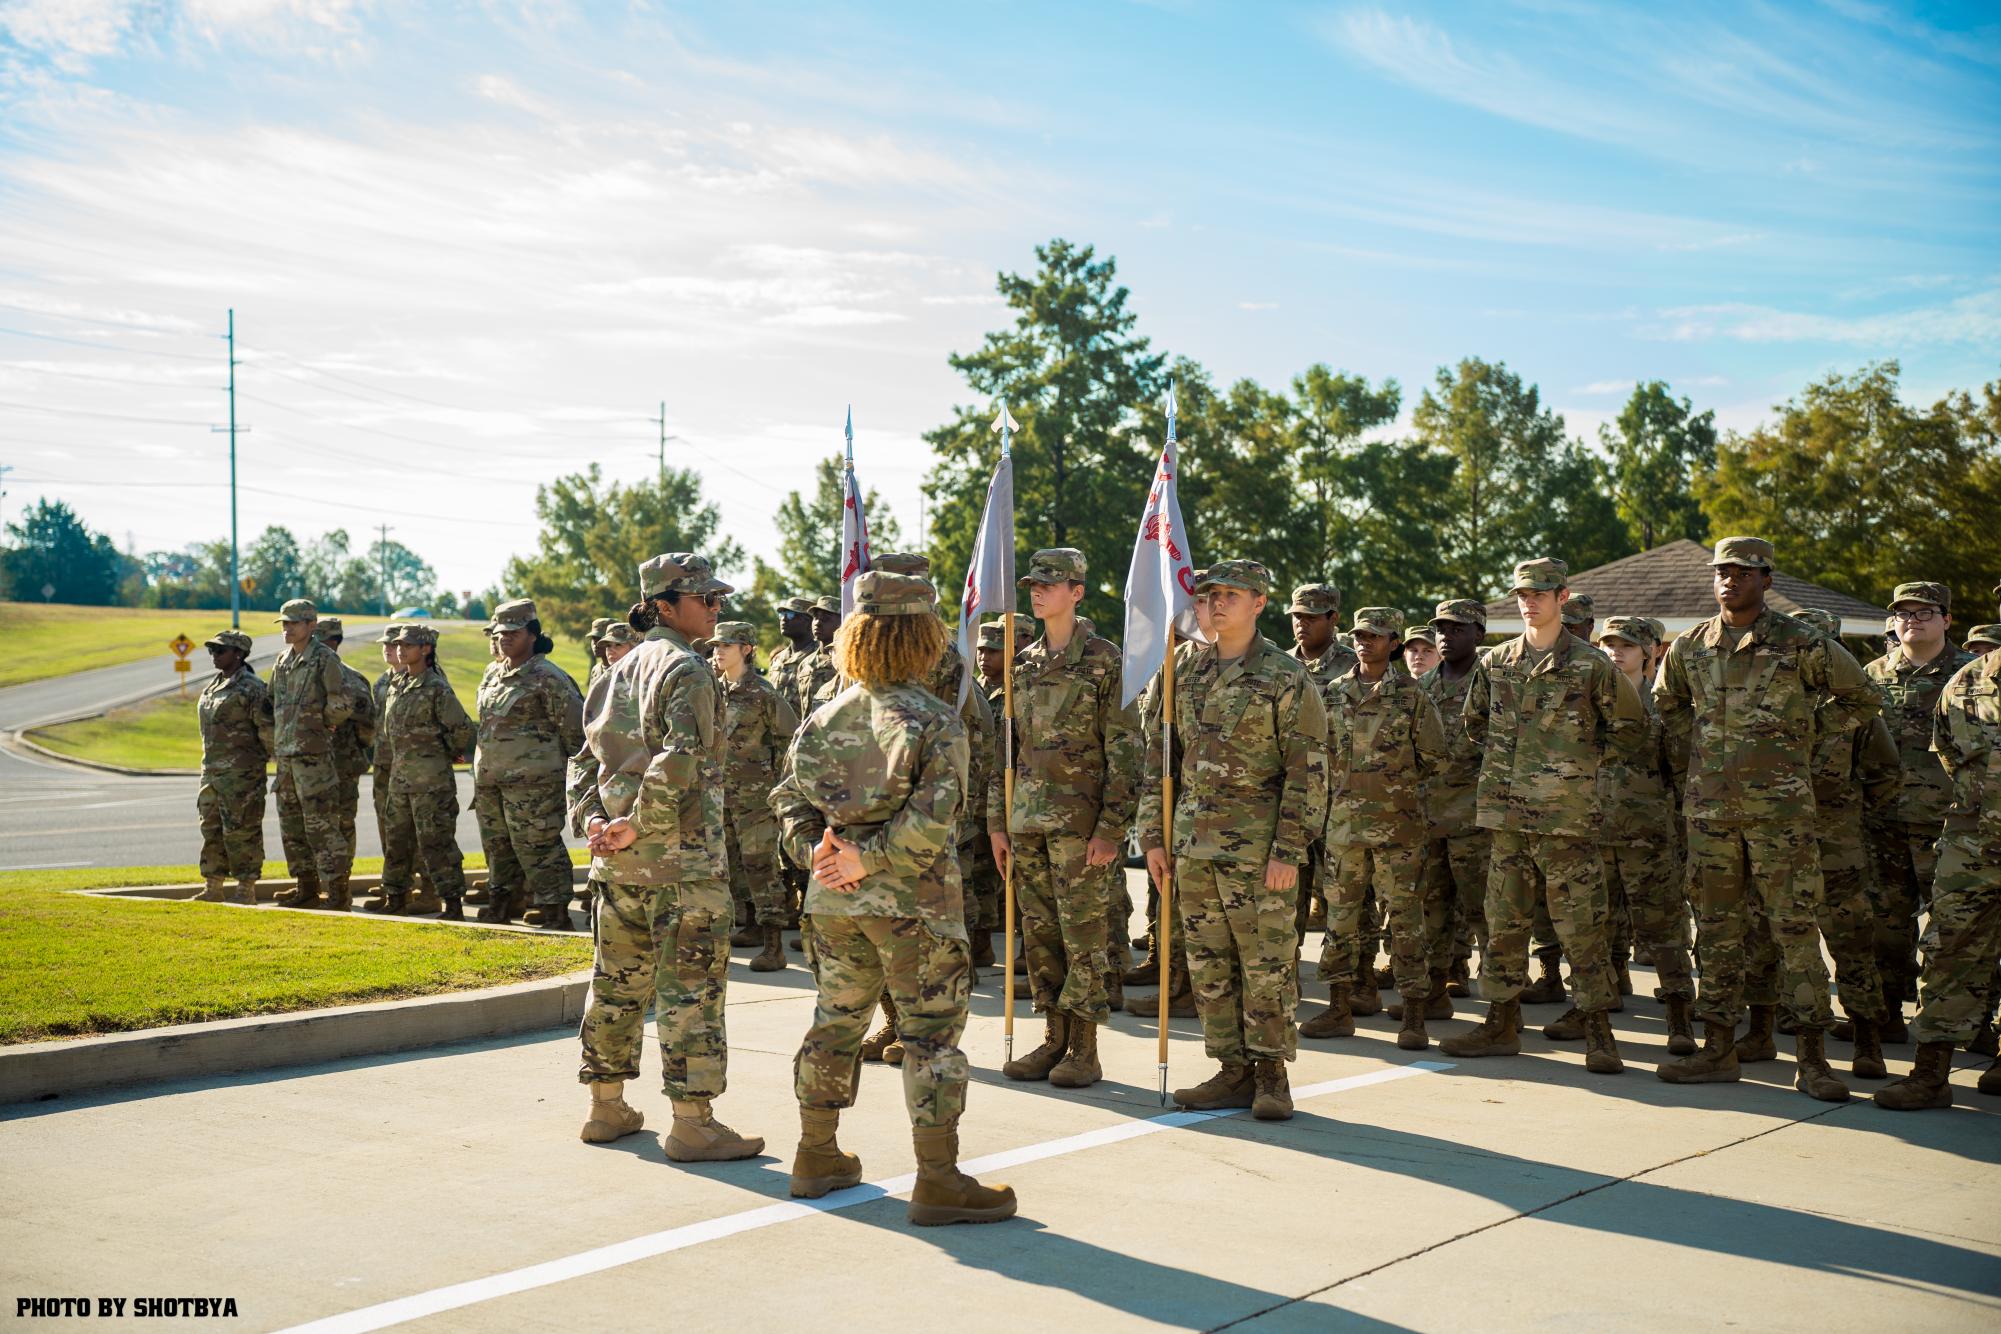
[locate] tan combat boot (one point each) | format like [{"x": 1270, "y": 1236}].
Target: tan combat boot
[
  {"x": 1146, "y": 975},
  {"x": 883, "y": 1038},
  {"x": 772, "y": 958},
  {"x": 1272, "y": 1096},
  {"x": 1601, "y": 1051},
  {"x": 697, "y": 1137},
  {"x": 1499, "y": 1034},
  {"x": 743, "y": 937},
  {"x": 1623, "y": 975},
  {"x": 1079, "y": 1068},
  {"x": 983, "y": 948},
  {"x": 1412, "y": 1037},
  {"x": 480, "y": 893},
  {"x": 1038, "y": 1063},
  {"x": 549, "y": 916},
  {"x": 1458, "y": 978},
  {"x": 1716, "y": 1063},
  {"x": 1230, "y": 1086},
  {"x": 246, "y": 891},
  {"x": 1928, "y": 1085},
  {"x": 1437, "y": 1001},
  {"x": 1757, "y": 1043},
  {"x": 1681, "y": 1036},
  {"x": 423, "y": 902},
  {"x": 1181, "y": 1005},
  {"x": 1867, "y": 1063},
  {"x": 1337, "y": 1020},
  {"x": 1813, "y": 1075},
  {"x": 819, "y": 1165},
  {"x": 611, "y": 1116},
  {"x": 1115, "y": 987},
  {"x": 338, "y": 897},
  {"x": 211, "y": 890},
  {"x": 1364, "y": 999},
  {"x": 943, "y": 1194},
  {"x": 1568, "y": 1028},
  {"x": 1547, "y": 989},
  {"x": 389, "y": 901},
  {"x": 1990, "y": 1080},
  {"x": 304, "y": 893}
]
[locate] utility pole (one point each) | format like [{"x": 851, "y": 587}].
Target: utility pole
[
  {"x": 382, "y": 556},
  {"x": 661, "y": 422},
  {"x": 235, "y": 581},
  {"x": 5, "y": 468}
]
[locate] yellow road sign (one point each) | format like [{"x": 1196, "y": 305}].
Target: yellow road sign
[
  {"x": 183, "y": 665},
  {"x": 182, "y": 646}
]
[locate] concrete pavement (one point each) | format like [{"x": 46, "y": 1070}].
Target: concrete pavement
[{"x": 1509, "y": 1194}]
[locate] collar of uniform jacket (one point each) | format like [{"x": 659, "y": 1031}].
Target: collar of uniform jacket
[
  {"x": 1715, "y": 633},
  {"x": 1518, "y": 648},
  {"x": 1231, "y": 671},
  {"x": 672, "y": 636}
]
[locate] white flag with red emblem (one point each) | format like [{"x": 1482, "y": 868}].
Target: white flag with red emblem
[
  {"x": 1160, "y": 585},
  {"x": 854, "y": 529},
  {"x": 990, "y": 578}
]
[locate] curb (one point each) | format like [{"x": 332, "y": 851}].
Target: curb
[
  {"x": 43, "y": 1070},
  {"x": 17, "y": 740}
]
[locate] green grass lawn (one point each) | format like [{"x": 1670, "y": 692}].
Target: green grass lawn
[
  {"x": 46, "y": 640},
  {"x": 78, "y": 965},
  {"x": 164, "y": 734}
]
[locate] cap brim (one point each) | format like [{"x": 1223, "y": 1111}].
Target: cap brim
[
  {"x": 501, "y": 627},
  {"x": 1295, "y": 610},
  {"x": 1455, "y": 620},
  {"x": 1028, "y": 579}
]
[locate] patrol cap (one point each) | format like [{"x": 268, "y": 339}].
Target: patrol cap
[
  {"x": 424, "y": 636},
  {"x": 1421, "y": 631},
  {"x": 828, "y": 602},
  {"x": 1753, "y": 553},
  {"x": 1248, "y": 575},
  {"x": 734, "y": 632},
  {"x": 598, "y": 627},
  {"x": 235, "y": 639},
  {"x": 1820, "y": 619},
  {"x": 1635, "y": 630},
  {"x": 1315, "y": 599},
  {"x": 880, "y": 593},
  {"x": 512, "y": 615},
  {"x": 679, "y": 572},
  {"x": 1055, "y": 565},
  {"x": 991, "y": 635},
  {"x": 797, "y": 602},
  {"x": 1542, "y": 574},
  {"x": 1463, "y": 610},
  {"x": 298, "y": 609},
  {"x": 1659, "y": 628},
  {"x": 902, "y": 562},
  {"x": 1938, "y": 595},
  {"x": 618, "y": 632},
  {"x": 392, "y": 633},
  {"x": 329, "y": 628},
  {"x": 1578, "y": 609},
  {"x": 1989, "y": 635},
  {"x": 1378, "y": 621}
]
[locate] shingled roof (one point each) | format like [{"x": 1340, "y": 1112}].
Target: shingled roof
[{"x": 1672, "y": 582}]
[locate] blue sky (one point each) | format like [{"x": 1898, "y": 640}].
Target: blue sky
[{"x": 469, "y": 245}]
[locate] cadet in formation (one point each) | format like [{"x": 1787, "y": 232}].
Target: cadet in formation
[
  {"x": 425, "y": 730},
  {"x": 378, "y": 695},
  {"x": 1250, "y": 734},
  {"x": 235, "y": 715},
  {"x": 984, "y": 891},
  {"x": 646, "y": 789},
  {"x": 818, "y": 677},
  {"x": 309, "y": 701},
  {"x": 1546, "y": 709},
  {"x": 530, "y": 723},
  {"x": 757, "y": 727},
  {"x": 1315, "y": 610},
  {"x": 354, "y": 740},
  {"x": 1742, "y": 696},
  {"x": 869, "y": 800},
  {"x": 1458, "y": 851},
  {"x": 1076, "y": 762}
]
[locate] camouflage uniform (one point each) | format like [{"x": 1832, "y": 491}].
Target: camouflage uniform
[
  {"x": 653, "y": 754},
  {"x": 1905, "y": 842},
  {"x": 977, "y": 867},
  {"x": 309, "y": 700},
  {"x": 1546, "y": 722},
  {"x": 596, "y": 641},
  {"x": 1335, "y": 661},
  {"x": 1250, "y": 739},
  {"x": 885, "y": 768},
  {"x": 354, "y": 740},
  {"x": 1741, "y": 708},
  {"x": 757, "y": 727},
  {"x": 1384, "y": 743},
  {"x": 1457, "y": 856},
  {"x": 1076, "y": 759},
  {"x": 819, "y": 679},
  {"x": 425, "y": 730},
  {"x": 236, "y": 741},
  {"x": 783, "y": 669},
  {"x": 530, "y": 721},
  {"x": 378, "y": 695}
]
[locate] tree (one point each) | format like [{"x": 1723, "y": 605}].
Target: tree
[
  {"x": 1074, "y": 373},
  {"x": 54, "y": 550},
  {"x": 410, "y": 577},
  {"x": 1859, "y": 491},
  {"x": 595, "y": 535},
  {"x": 323, "y": 561},
  {"x": 1657, "y": 447},
  {"x": 273, "y": 570},
  {"x": 809, "y": 532}
]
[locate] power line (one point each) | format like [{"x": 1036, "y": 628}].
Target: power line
[
  {"x": 276, "y": 495},
  {"x": 108, "y": 416},
  {"x": 103, "y": 347},
  {"x": 102, "y": 379},
  {"x": 109, "y": 324}
]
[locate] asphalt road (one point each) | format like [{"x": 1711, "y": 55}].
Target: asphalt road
[{"x": 64, "y": 815}]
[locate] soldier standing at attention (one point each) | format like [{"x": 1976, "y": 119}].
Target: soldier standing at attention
[
  {"x": 795, "y": 622},
  {"x": 1547, "y": 710},
  {"x": 309, "y": 701},
  {"x": 1912, "y": 676},
  {"x": 982, "y": 875},
  {"x": 1251, "y": 733},
  {"x": 426, "y": 731},
  {"x": 1982, "y": 640},
  {"x": 378, "y": 695},
  {"x": 1965, "y": 926},
  {"x": 1383, "y": 743},
  {"x": 870, "y": 799},
  {"x": 647, "y": 789},
  {"x": 1420, "y": 650},
  {"x": 1459, "y": 846},
  {"x": 1742, "y": 697},
  {"x": 354, "y": 740},
  {"x": 1076, "y": 759},
  {"x": 235, "y": 714},
  {"x": 530, "y": 722},
  {"x": 595, "y": 639},
  {"x": 819, "y": 679},
  {"x": 1314, "y": 610},
  {"x": 757, "y": 727}
]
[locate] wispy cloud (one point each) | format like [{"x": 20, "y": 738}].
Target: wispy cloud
[{"x": 1974, "y": 319}]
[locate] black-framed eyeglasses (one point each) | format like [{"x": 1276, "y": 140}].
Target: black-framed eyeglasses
[{"x": 1916, "y": 615}]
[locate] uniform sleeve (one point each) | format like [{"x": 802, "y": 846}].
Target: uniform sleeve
[
  {"x": 800, "y": 822},
  {"x": 920, "y": 832},
  {"x": 364, "y": 712},
  {"x": 1120, "y": 729},
  {"x": 1878, "y": 767},
  {"x": 568, "y": 707},
  {"x": 454, "y": 727},
  {"x": 1624, "y": 713},
  {"x": 339, "y": 703},
  {"x": 683, "y": 717},
  {"x": 784, "y": 718},
  {"x": 1676, "y": 705},
  {"x": 1432, "y": 750},
  {"x": 978, "y": 720},
  {"x": 1852, "y": 698},
  {"x": 260, "y": 713},
  {"x": 584, "y": 802},
  {"x": 1302, "y": 802},
  {"x": 1474, "y": 709}
]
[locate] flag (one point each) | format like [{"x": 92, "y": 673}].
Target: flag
[
  {"x": 990, "y": 578},
  {"x": 1160, "y": 585},
  {"x": 854, "y": 529}
]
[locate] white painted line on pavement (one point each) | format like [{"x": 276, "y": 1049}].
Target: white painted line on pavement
[{"x": 452, "y": 1298}]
